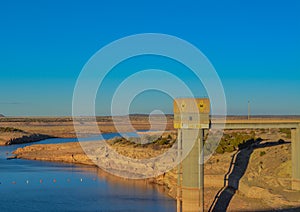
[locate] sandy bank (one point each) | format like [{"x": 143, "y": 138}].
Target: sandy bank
[
  {"x": 73, "y": 153},
  {"x": 10, "y": 136},
  {"x": 265, "y": 185}
]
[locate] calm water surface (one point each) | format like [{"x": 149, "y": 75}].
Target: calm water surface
[{"x": 43, "y": 186}]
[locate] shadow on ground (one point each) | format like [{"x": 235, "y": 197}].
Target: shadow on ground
[
  {"x": 237, "y": 169},
  {"x": 282, "y": 210}
]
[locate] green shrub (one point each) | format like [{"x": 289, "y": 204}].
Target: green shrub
[
  {"x": 233, "y": 141},
  {"x": 262, "y": 153},
  {"x": 220, "y": 150},
  {"x": 285, "y": 131},
  {"x": 230, "y": 148},
  {"x": 10, "y": 129}
]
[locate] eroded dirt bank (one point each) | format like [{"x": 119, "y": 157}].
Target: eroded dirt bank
[{"x": 264, "y": 185}]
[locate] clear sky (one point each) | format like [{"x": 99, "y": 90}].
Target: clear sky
[{"x": 253, "y": 45}]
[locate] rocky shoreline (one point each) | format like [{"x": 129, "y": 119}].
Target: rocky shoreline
[
  {"x": 267, "y": 174},
  {"x": 11, "y": 135},
  {"x": 21, "y": 138},
  {"x": 73, "y": 153},
  {"x": 27, "y": 139}
]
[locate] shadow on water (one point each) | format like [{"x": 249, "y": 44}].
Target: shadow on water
[{"x": 237, "y": 169}]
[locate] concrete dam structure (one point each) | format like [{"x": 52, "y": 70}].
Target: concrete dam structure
[{"x": 191, "y": 118}]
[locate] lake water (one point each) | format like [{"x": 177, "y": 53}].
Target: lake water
[{"x": 44, "y": 186}]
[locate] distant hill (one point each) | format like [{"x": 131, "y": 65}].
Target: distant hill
[{"x": 1, "y": 115}]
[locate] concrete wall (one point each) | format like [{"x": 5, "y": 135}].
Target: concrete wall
[
  {"x": 192, "y": 172},
  {"x": 191, "y": 113},
  {"x": 296, "y": 158}
]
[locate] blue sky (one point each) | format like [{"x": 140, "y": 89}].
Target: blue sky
[{"x": 253, "y": 45}]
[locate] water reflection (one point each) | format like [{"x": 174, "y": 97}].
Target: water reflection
[{"x": 35, "y": 186}]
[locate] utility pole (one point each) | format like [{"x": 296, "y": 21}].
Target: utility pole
[{"x": 248, "y": 109}]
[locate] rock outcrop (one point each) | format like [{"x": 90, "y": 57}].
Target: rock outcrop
[
  {"x": 27, "y": 139},
  {"x": 266, "y": 184}
]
